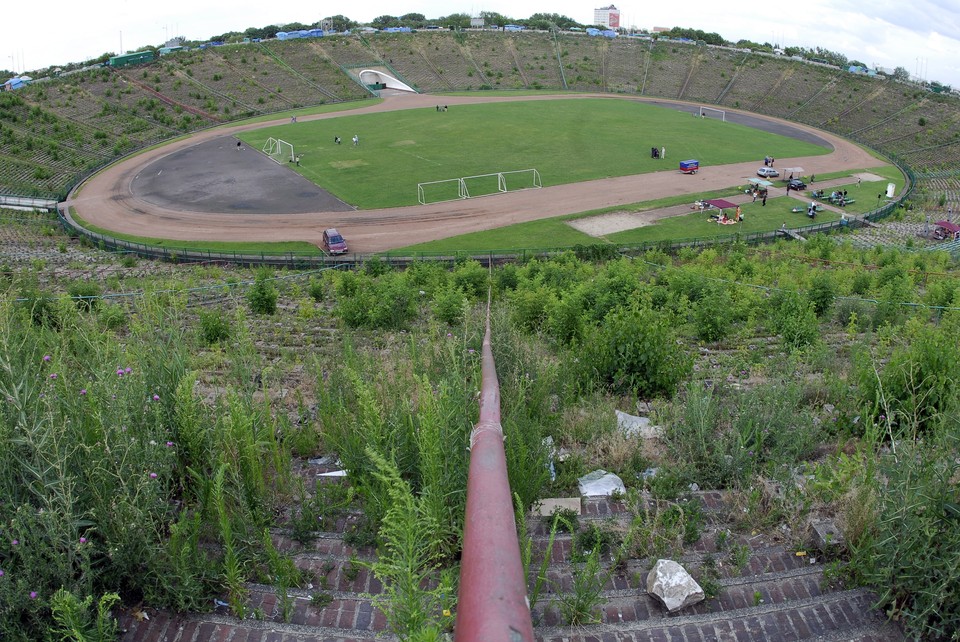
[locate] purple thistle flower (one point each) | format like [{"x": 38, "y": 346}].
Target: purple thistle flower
[
  {"x": 53, "y": 375},
  {"x": 169, "y": 444},
  {"x": 83, "y": 540},
  {"x": 128, "y": 371},
  {"x": 119, "y": 372},
  {"x": 1, "y": 572},
  {"x": 153, "y": 475},
  {"x": 33, "y": 595},
  {"x": 471, "y": 350},
  {"x": 46, "y": 357},
  {"x": 156, "y": 397},
  {"x": 83, "y": 391},
  {"x": 15, "y": 542}
]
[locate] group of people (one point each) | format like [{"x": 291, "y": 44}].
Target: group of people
[
  {"x": 759, "y": 192},
  {"x": 723, "y": 219},
  {"x": 839, "y": 197},
  {"x": 768, "y": 161},
  {"x": 658, "y": 153},
  {"x": 356, "y": 140},
  {"x": 441, "y": 108}
]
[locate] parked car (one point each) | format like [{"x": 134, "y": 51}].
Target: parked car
[
  {"x": 767, "y": 172},
  {"x": 333, "y": 242},
  {"x": 796, "y": 184}
]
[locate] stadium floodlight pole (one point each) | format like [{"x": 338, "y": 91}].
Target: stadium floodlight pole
[{"x": 492, "y": 605}]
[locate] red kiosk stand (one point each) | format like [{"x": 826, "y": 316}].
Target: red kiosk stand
[{"x": 689, "y": 166}]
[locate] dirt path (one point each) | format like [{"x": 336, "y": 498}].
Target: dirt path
[{"x": 108, "y": 201}]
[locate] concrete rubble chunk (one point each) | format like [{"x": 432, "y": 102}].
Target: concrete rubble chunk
[
  {"x": 600, "y": 483},
  {"x": 825, "y": 536},
  {"x": 642, "y": 427},
  {"x": 673, "y": 586}
]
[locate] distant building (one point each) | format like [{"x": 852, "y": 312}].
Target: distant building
[{"x": 607, "y": 16}]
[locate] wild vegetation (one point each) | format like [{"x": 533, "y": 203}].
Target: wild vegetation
[{"x": 153, "y": 422}]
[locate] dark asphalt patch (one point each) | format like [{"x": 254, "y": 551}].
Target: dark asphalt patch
[{"x": 216, "y": 176}]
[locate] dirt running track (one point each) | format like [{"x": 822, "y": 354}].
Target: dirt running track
[{"x": 109, "y": 199}]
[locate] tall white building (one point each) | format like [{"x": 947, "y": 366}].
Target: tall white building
[{"x": 607, "y": 16}]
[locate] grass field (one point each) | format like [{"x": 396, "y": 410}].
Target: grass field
[
  {"x": 567, "y": 141},
  {"x": 556, "y": 233}
]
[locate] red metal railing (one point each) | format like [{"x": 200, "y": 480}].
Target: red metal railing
[{"x": 492, "y": 605}]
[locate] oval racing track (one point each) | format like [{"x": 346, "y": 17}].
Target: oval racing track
[{"x": 108, "y": 200}]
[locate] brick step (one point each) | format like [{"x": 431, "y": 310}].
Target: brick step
[
  {"x": 338, "y": 574},
  {"x": 323, "y": 543},
  {"x": 562, "y": 548},
  {"x": 633, "y": 605},
  {"x": 844, "y": 615},
  {"x": 346, "y": 612},
  {"x": 213, "y": 627},
  {"x": 771, "y": 561}
]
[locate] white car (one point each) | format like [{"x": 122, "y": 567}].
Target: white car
[{"x": 767, "y": 172}]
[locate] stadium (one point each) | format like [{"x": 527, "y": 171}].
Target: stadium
[
  {"x": 164, "y": 97},
  {"x": 250, "y": 440}
]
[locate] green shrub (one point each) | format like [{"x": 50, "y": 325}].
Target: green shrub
[
  {"x": 86, "y": 294},
  {"x": 449, "y": 305},
  {"x": 635, "y": 351},
  {"x": 214, "y": 326},
  {"x": 712, "y": 315},
  {"x": 317, "y": 290},
  {"x": 472, "y": 278},
  {"x": 113, "y": 316},
  {"x": 794, "y": 319},
  {"x": 262, "y": 296},
  {"x": 909, "y": 548},
  {"x": 529, "y": 305},
  {"x": 822, "y": 292}
]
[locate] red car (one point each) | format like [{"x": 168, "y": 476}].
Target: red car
[{"x": 333, "y": 242}]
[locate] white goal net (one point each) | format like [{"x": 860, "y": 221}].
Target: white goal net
[
  {"x": 481, "y": 185},
  {"x": 713, "y": 113},
  {"x": 279, "y": 150}
]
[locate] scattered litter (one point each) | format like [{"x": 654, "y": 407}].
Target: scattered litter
[
  {"x": 600, "y": 483},
  {"x": 333, "y": 473},
  {"x": 551, "y": 452},
  {"x": 320, "y": 461},
  {"x": 801, "y": 553},
  {"x": 217, "y": 602}
]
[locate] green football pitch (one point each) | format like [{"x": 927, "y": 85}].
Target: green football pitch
[{"x": 566, "y": 141}]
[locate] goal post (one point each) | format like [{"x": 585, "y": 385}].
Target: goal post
[
  {"x": 716, "y": 113},
  {"x": 279, "y": 150},
  {"x": 451, "y": 189},
  {"x": 480, "y": 185}
]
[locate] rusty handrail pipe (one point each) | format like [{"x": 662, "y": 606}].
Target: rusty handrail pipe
[{"x": 492, "y": 604}]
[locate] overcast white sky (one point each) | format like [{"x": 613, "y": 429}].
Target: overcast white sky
[{"x": 922, "y": 36}]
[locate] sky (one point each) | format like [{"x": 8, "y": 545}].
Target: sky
[{"x": 923, "y": 37}]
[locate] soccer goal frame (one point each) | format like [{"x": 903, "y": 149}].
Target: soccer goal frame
[
  {"x": 723, "y": 114},
  {"x": 278, "y": 149},
  {"x": 505, "y": 182}
]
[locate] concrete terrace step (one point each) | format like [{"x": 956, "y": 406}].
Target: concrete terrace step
[
  {"x": 763, "y": 562},
  {"x": 621, "y": 607},
  {"x": 164, "y": 627},
  {"x": 845, "y": 615},
  {"x": 346, "y": 611}
]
